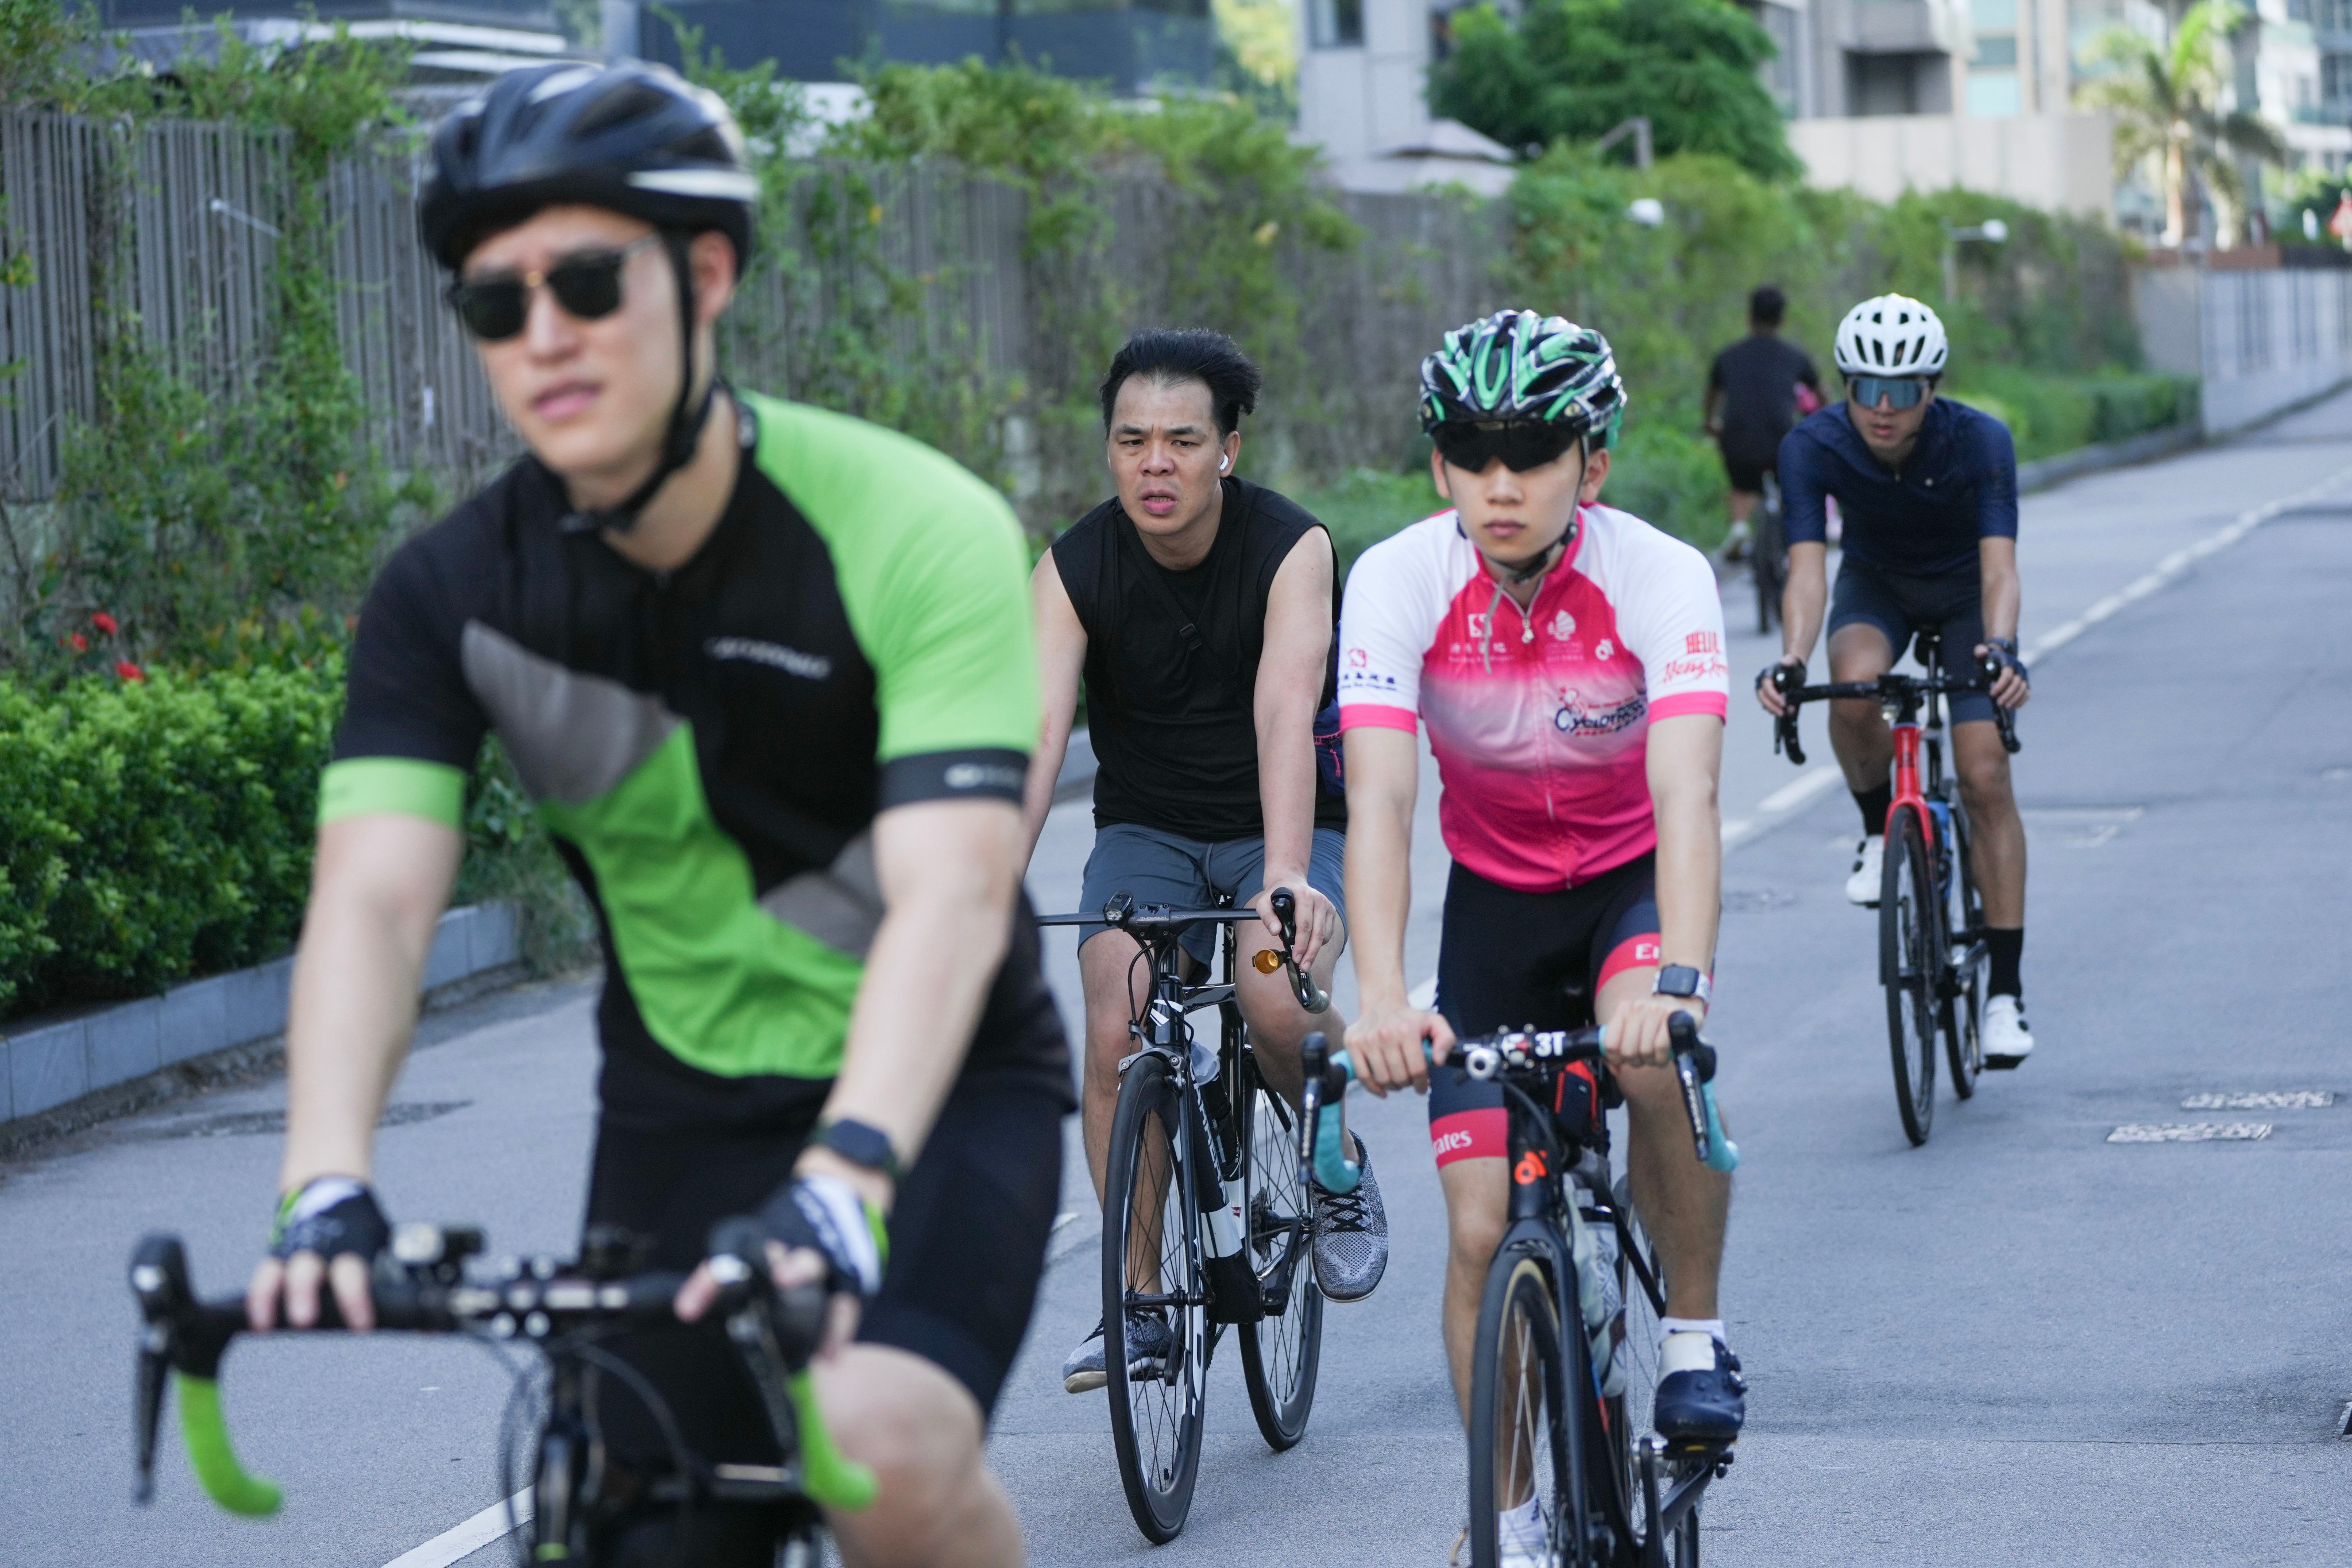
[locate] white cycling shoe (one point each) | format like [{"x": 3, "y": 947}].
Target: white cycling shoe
[
  {"x": 2006, "y": 1040},
  {"x": 1869, "y": 856}
]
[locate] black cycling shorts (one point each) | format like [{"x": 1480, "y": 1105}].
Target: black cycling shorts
[
  {"x": 1509, "y": 960},
  {"x": 1950, "y": 603},
  {"x": 967, "y": 1236},
  {"x": 1746, "y": 470}
]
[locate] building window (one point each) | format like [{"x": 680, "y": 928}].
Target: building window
[
  {"x": 1993, "y": 15},
  {"x": 1337, "y": 24},
  {"x": 1994, "y": 94},
  {"x": 1998, "y": 51}
]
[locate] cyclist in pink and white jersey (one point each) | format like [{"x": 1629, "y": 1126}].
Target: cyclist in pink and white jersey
[{"x": 1567, "y": 659}]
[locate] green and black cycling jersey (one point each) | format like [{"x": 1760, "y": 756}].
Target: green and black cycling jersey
[{"x": 710, "y": 746}]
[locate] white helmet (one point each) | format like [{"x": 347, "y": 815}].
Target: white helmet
[{"x": 1890, "y": 335}]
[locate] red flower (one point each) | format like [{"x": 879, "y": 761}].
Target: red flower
[
  {"x": 104, "y": 623},
  {"x": 80, "y": 643},
  {"x": 128, "y": 670}
]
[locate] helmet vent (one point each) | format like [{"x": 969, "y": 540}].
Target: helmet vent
[{"x": 627, "y": 101}]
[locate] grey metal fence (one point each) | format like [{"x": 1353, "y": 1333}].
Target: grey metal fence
[{"x": 183, "y": 219}]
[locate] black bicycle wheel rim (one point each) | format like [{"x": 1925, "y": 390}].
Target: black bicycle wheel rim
[
  {"x": 1280, "y": 1351},
  {"x": 1518, "y": 1431},
  {"x": 1963, "y": 1009},
  {"x": 1910, "y": 956},
  {"x": 1155, "y": 1422}
]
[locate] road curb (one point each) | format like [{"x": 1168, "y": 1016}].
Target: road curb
[
  {"x": 2047, "y": 473},
  {"x": 60, "y": 1072}
]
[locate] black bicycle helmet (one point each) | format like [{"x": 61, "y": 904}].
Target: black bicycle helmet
[{"x": 630, "y": 137}]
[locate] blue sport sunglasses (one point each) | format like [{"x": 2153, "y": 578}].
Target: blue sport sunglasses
[{"x": 1899, "y": 392}]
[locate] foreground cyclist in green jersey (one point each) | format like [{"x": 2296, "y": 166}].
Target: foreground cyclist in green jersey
[
  {"x": 769, "y": 673},
  {"x": 1568, "y": 660}
]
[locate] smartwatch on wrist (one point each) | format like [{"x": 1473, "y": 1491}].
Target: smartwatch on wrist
[
  {"x": 860, "y": 1145},
  {"x": 1682, "y": 980}
]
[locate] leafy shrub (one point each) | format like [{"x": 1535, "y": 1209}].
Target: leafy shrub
[{"x": 155, "y": 830}]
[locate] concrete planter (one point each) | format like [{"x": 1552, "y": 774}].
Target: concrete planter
[{"x": 49, "y": 1062}]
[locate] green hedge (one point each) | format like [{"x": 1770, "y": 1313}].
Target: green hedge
[{"x": 155, "y": 829}]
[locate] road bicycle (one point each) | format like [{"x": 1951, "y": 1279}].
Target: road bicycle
[
  {"x": 1207, "y": 1219},
  {"x": 431, "y": 1281},
  {"x": 1564, "y": 1365},
  {"x": 1767, "y": 556},
  {"x": 1932, "y": 951}
]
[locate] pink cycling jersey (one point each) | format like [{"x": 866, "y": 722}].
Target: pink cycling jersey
[{"x": 1540, "y": 718}]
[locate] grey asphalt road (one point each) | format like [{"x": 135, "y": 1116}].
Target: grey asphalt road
[{"x": 2021, "y": 1344}]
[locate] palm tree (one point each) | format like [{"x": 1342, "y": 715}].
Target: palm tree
[{"x": 2166, "y": 101}]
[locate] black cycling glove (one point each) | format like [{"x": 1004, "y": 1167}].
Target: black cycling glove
[
  {"x": 827, "y": 1214},
  {"x": 329, "y": 1216},
  {"x": 2005, "y": 650}
]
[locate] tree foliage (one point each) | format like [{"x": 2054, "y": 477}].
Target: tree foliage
[
  {"x": 2166, "y": 99},
  {"x": 1572, "y": 70}
]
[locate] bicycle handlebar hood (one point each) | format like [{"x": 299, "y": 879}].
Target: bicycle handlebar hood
[{"x": 630, "y": 137}]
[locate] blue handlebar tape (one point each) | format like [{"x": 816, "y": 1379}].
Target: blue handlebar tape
[
  {"x": 204, "y": 1433},
  {"x": 830, "y": 1476},
  {"x": 1334, "y": 1172},
  {"x": 1722, "y": 1153}
]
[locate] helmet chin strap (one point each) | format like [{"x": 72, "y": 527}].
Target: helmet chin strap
[{"x": 680, "y": 440}]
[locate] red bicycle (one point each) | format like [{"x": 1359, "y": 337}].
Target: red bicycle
[{"x": 1932, "y": 953}]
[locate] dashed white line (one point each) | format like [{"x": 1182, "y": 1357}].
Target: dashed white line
[
  {"x": 2189, "y": 1132},
  {"x": 462, "y": 1540}
]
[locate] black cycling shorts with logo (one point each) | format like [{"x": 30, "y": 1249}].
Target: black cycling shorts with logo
[
  {"x": 1950, "y": 603},
  {"x": 968, "y": 1237}
]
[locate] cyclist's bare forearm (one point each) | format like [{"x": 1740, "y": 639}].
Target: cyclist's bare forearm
[
  {"x": 378, "y": 887},
  {"x": 949, "y": 869},
  {"x": 1289, "y": 688},
  {"x": 1061, "y": 662},
  {"x": 1805, "y": 599},
  {"x": 1997, "y": 564},
  {"x": 1383, "y": 775},
  {"x": 1684, "y": 763}
]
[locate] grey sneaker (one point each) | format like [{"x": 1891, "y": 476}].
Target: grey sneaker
[
  {"x": 1147, "y": 1354},
  {"x": 1351, "y": 1235}
]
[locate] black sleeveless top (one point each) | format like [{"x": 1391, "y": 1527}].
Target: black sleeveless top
[{"x": 1172, "y": 666}]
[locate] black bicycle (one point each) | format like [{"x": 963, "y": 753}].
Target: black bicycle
[
  {"x": 1560, "y": 1379},
  {"x": 1767, "y": 555},
  {"x": 1207, "y": 1220},
  {"x": 431, "y": 1283},
  {"x": 1932, "y": 950}
]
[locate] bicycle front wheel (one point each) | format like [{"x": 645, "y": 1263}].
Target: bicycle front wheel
[
  {"x": 1966, "y": 962},
  {"x": 1155, "y": 1316},
  {"x": 1282, "y": 1349},
  {"x": 1910, "y": 962},
  {"x": 1520, "y": 1373}
]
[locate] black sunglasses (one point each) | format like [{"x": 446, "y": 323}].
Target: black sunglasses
[
  {"x": 1899, "y": 392},
  {"x": 586, "y": 284},
  {"x": 1522, "y": 444}
]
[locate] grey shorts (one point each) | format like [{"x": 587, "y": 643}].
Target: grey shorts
[{"x": 1159, "y": 868}]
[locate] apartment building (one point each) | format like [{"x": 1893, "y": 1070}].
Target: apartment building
[{"x": 1363, "y": 77}]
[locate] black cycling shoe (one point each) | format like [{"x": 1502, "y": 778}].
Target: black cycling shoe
[{"x": 1703, "y": 1406}]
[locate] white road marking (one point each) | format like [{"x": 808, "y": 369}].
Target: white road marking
[
  {"x": 2174, "y": 564},
  {"x": 2287, "y": 1099},
  {"x": 1424, "y": 996},
  {"x": 2188, "y": 1132},
  {"x": 461, "y": 1541}
]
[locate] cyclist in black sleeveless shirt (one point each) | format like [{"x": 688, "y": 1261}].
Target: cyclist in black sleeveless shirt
[{"x": 1198, "y": 608}]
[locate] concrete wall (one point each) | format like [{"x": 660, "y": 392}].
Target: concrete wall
[
  {"x": 2058, "y": 162},
  {"x": 2262, "y": 340}
]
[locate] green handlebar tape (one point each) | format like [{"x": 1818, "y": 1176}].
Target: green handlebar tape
[
  {"x": 1333, "y": 1169},
  {"x": 831, "y": 1477},
  {"x": 1722, "y": 1153},
  {"x": 205, "y": 1435}
]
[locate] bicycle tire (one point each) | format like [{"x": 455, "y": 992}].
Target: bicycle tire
[
  {"x": 1910, "y": 959},
  {"x": 1281, "y": 1351},
  {"x": 1962, "y": 1013},
  {"x": 1155, "y": 1421},
  {"x": 1518, "y": 1331}
]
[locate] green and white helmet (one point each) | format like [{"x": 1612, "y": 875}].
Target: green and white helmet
[{"x": 1518, "y": 365}]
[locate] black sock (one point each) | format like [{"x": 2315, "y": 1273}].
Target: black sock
[
  {"x": 2008, "y": 948},
  {"x": 1875, "y": 804}
]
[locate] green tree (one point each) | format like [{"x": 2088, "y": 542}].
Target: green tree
[
  {"x": 1570, "y": 69},
  {"x": 2166, "y": 99}
]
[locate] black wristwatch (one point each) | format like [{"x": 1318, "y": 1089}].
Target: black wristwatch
[
  {"x": 1682, "y": 980},
  {"x": 859, "y": 1144}
]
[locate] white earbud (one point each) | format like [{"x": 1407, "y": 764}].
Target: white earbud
[{"x": 1224, "y": 463}]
